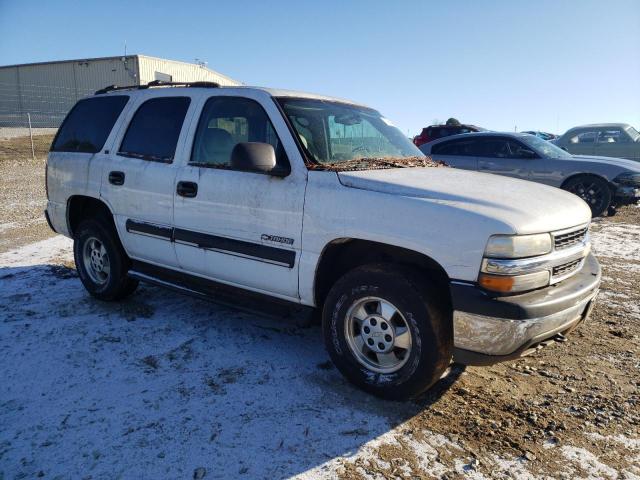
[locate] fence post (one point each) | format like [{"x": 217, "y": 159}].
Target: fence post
[{"x": 33, "y": 151}]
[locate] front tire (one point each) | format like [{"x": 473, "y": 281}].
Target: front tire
[
  {"x": 101, "y": 262},
  {"x": 593, "y": 190},
  {"x": 386, "y": 331}
]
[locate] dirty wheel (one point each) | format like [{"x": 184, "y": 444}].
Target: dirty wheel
[
  {"x": 386, "y": 331},
  {"x": 593, "y": 190},
  {"x": 101, "y": 261}
]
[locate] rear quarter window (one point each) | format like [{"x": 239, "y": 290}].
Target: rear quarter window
[{"x": 88, "y": 124}]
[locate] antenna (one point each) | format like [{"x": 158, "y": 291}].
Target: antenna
[{"x": 125, "y": 48}]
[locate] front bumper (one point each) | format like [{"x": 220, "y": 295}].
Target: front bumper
[
  {"x": 626, "y": 194},
  {"x": 489, "y": 329}
]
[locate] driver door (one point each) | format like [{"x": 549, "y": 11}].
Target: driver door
[
  {"x": 237, "y": 227},
  {"x": 504, "y": 156}
]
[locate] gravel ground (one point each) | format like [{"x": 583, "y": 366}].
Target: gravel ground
[
  {"x": 22, "y": 195},
  {"x": 164, "y": 386}
]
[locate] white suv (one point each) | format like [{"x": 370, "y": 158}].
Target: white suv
[{"x": 241, "y": 192}]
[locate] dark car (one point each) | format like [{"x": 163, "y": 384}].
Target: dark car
[{"x": 434, "y": 132}]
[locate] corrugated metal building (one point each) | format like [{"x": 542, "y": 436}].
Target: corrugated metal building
[{"x": 48, "y": 90}]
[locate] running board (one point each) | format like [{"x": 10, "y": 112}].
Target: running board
[{"x": 219, "y": 293}]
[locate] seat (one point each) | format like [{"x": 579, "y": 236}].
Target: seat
[{"x": 215, "y": 147}]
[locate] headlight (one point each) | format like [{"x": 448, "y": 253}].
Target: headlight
[
  {"x": 628, "y": 178},
  {"x": 518, "y": 246}
]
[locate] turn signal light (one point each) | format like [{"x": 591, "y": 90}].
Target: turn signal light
[
  {"x": 497, "y": 283},
  {"x": 514, "y": 283}
]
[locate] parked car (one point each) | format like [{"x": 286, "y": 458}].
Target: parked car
[
  {"x": 434, "y": 132},
  {"x": 603, "y": 183},
  {"x": 618, "y": 140},
  {"x": 249, "y": 194},
  {"x": 542, "y": 135}
]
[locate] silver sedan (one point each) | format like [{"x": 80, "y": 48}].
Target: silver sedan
[{"x": 602, "y": 182}]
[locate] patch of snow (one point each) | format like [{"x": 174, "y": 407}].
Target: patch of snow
[
  {"x": 513, "y": 468},
  {"x": 630, "y": 443},
  {"x": 616, "y": 240},
  {"x": 38, "y": 253},
  {"x": 588, "y": 462}
]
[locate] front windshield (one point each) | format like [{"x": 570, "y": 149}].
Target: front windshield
[
  {"x": 545, "y": 148},
  {"x": 338, "y": 134}
]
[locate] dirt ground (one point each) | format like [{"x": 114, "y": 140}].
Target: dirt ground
[
  {"x": 569, "y": 411},
  {"x": 22, "y": 194}
]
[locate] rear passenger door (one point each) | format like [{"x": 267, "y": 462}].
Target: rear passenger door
[
  {"x": 139, "y": 174},
  {"x": 458, "y": 153},
  {"x": 238, "y": 227}
]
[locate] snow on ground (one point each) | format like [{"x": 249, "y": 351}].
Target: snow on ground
[
  {"x": 162, "y": 385},
  {"x": 617, "y": 241}
]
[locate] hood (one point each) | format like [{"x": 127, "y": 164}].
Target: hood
[
  {"x": 525, "y": 207},
  {"x": 618, "y": 162}
]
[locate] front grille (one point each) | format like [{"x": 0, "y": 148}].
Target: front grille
[
  {"x": 565, "y": 240},
  {"x": 565, "y": 268}
]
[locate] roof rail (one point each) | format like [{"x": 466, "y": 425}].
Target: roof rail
[{"x": 158, "y": 83}]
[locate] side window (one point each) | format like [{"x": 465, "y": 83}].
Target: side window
[
  {"x": 494, "y": 148},
  {"x": 154, "y": 129},
  {"x": 584, "y": 137},
  {"x": 88, "y": 124},
  {"x": 227, "y": 121},
  {"x": 463, "y": 148},
  {"x": 519, "y": 151},
  {"x": 613, "y": 135}
]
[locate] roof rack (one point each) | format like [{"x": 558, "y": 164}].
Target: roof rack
[{"x": 158, "y": 83}]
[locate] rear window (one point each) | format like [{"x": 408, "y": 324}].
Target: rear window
[
  {"x": 88, "y": 124},
  {"x": 154, "y": 130}
]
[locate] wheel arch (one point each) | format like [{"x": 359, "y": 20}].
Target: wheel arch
[
  {"x": 80, "y": 207},
  {"x": 343, "y": 254},
  {"x": 585, "y": 174}
]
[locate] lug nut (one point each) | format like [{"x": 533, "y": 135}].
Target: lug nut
[
  {"x": 387, "y": 337},
  {"x": 370, "y": 341},
  {"x": 373, "y": 322},
  {"x": 381, "y": 346},
  {"x": 366, "y": 329},
  {"x": 384, "y": 326}
]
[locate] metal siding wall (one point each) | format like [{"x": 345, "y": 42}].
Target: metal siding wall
[
  {"x": 180, "y": 72},
  {"x": 94, "y": 75},
  {"x": 9, "y": 90},
  {"x": 48, "y": 91},
  {"x": 46, "y": 88}
]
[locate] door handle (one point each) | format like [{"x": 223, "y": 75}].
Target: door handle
[
  {"x": 187, "y": 189},
  {"x": 116, "y": 178}
]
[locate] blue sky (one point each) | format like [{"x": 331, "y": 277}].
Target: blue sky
[{"x": 536, "y": 65}]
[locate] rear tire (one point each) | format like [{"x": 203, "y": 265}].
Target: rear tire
[
  {"x": 101, "y": 262},
  {"x": 593, "y": 190},
  {"x": 386, "y": 330}
]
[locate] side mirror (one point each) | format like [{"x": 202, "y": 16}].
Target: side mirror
[{"x": 256, "y": 157}]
